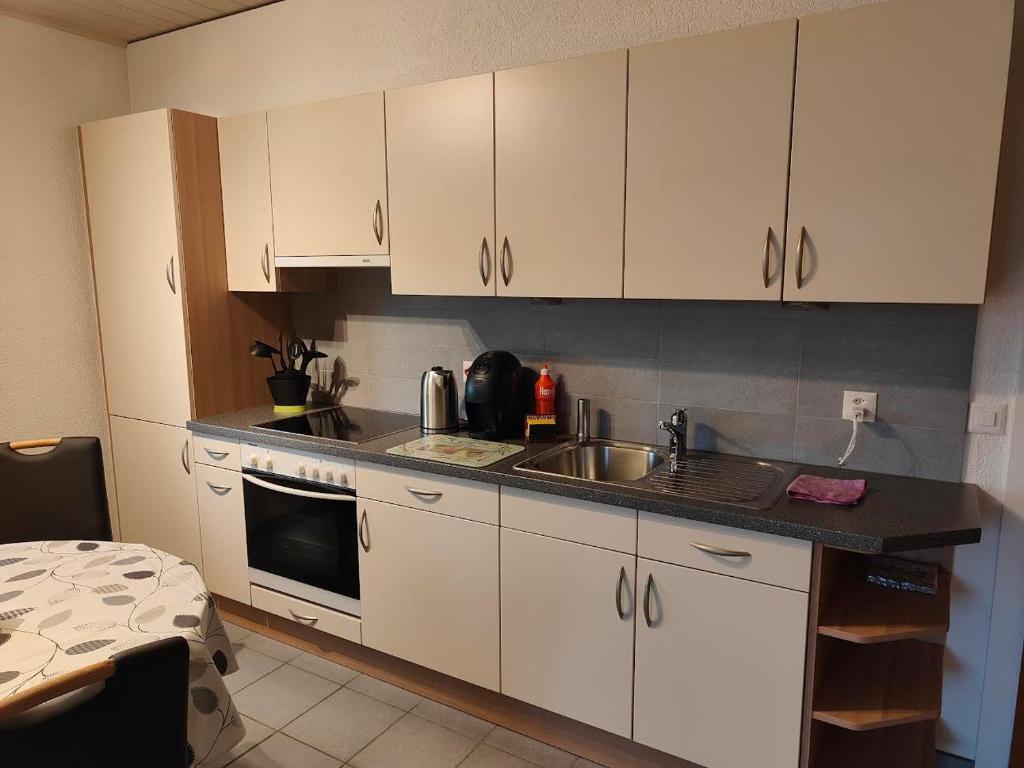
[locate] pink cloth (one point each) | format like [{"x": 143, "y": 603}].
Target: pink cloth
[{"x": 826, "y": 490}]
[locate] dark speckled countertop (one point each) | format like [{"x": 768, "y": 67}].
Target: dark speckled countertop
[{"x": 897, "y": 514}]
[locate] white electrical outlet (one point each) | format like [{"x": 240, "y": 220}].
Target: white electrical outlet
[
  {"x": 987, "y": 419},
  {"x": 866, "y": 400}
]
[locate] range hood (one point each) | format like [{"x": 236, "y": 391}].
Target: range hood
[{"x": 332, "y": 261}]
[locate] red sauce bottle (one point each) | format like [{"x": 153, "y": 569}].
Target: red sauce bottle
[{"x": 544, "y": 393}]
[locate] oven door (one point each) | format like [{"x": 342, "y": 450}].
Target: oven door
[{"x": 303, "y": 540}]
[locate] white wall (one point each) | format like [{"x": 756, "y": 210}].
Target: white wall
[
  {"x": 51, "y": 379},
  {"x": 302, "y": 50}
]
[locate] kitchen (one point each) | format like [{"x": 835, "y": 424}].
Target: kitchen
[{"x": 557, "y": 218}]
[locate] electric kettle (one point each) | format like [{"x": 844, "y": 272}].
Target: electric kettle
[{"x": 439, "y": 402}]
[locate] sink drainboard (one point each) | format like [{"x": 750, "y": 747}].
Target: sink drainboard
[{"x": 730, "y": 482}]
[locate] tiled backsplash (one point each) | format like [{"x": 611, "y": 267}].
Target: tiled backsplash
[{"x": 758, "y": 379}]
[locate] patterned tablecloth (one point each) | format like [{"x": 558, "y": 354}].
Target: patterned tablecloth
[{"x": 68, "y": 604}]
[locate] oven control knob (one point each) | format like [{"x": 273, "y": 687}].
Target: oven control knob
[
  {"x": 315, "y": 474},
  {"x": 330, "y": 476},
  {"x": 302, "y": 470},
  {"x": 269, "y": 464},
  {"x": 254, "y": 460}
]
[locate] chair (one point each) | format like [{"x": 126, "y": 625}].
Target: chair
[
  {"x": 124, "y": 712},
  {"x": 60, "y": 494}
]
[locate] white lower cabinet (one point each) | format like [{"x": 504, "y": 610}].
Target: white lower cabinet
[
  {"x": 156, "y": 493},
  {"x": 429, "y": 590},
  {"x": 222, "y": 521},
  {"x": 567, "y": 628},
  {"x": 719, "y": 669}
]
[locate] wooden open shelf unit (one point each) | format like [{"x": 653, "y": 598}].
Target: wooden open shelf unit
[{"x": 874, "y": 668}]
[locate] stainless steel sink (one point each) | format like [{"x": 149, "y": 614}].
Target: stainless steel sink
[{"x": 602, "y": 461}]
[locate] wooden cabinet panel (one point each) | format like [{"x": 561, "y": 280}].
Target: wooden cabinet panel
[
  {"x": 429, "y": 590},
  {"x": 248, "y": 214},
  {"x": 560, "y": 145},
  {"x": 564, "y": 646},
  {"x": 312, "y": 615},
  {"x": 720, "y": 671},
  {"x": 329, "y": 177},
  {"x": 440, "y": 139},
  {"x": 896, "y": 133},
  {"x": 599, "y": 525},
  {"x": 222, "y": 526},
  {"x": 453, "y": 496},
  {"x": 156, "y": 492},
  {"x": 129, "y": 179},
  {"x": 217, "y": 452},
  {"x": 709, "y": 124}
]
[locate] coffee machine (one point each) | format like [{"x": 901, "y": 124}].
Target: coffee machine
[{"x": 495, "y": 396}]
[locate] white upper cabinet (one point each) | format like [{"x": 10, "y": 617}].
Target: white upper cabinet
[
  {"x": 248, "y": 214},
  {"x": 129, "y": 179},
  {"x": 440, "y": 139},
  {"x": 709, "y": 125},
  {"x": 560, "y": 144},
  {"x": 896, "y": 134},
  {"x": 329, "y": 177}
]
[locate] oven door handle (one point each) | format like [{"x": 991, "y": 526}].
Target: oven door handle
[{"x": 296, "y": 491}]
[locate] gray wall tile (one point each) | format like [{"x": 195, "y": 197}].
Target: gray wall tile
[{"x": 765, "y": 435}]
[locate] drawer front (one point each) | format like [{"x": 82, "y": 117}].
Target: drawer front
[
  {"x": 748, "y": 555},
  {"x": 422, "y": 490},
  {"x": 583, "y": 522},
  {"x": 308, "y": 614},
  {"x": 216, "y": 453}
]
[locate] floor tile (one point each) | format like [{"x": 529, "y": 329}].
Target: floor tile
[
  {"x": 235, "y": 633},
  {"x": 452, "y": 718},
  {"x": 281, "y": 752},
  {"x": 254, "y": 734},
  {"x": 343, "y": 723},
  {"x": 535, "y": 751},
  {"x": 584, "y": 763},
  {"x": 415, "y": 743},
  {"x": 268, "y": 646},
  {"x": 389, "y": 694},
  {"x": 324, "y": 668},
  {"x": 489, "y": 757},
  {"x": 283, "y": 695},
  {"x": 251, "y": 667}
]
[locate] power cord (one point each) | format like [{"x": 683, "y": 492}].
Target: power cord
[{"x": 858, "y": 418}]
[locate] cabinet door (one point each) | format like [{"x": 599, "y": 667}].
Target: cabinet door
[
  {"x": 560, "y": 165},
  {"x": 248, "y": 216},
  {"x": 222, "y": 525},
  {"x": 720, "y": 670},
  {"x": 329, "y": 177},
  {"x": 441, "y": 187},
  {"x": 129, "y": 181},
  {"x": 564, "y": 646},
  {"x": 896, "y": 132},
  {"x": 429, "y": 590},
  {"x": 709, "y": 164},
  {"x": 156, "y": 492}
]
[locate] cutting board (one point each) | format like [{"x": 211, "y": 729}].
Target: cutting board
[{"x": 460, "y": 451}]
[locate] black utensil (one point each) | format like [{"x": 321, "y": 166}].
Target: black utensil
[
  {"x": 296, "y": 349},
  {"x": 262, "y": 349}
]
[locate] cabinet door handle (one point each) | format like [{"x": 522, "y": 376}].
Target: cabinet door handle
[
  {"x": 378, "y": 223},
  {"x": 265, "y": 262},
  {"x": 647, "y": 599},
  {"x": 216, "y": 455},
  {"x": 766, "y": 260},
  {"x": 364, "y": 533},
  {"x": 485, "y": 258},
  {"x": 425, "y": 494},
  {"x": 619, "y": 584},
  {"x": 220, "y": 490},
  {"x": 311, "y": 620},
  {"x": 719, "y": 551},
  {"x": 184, "y": 458},
  {"x": 506, "y": 262},
  {"x": 800, "y": 258},
  {"x": 169, "y": 274}
]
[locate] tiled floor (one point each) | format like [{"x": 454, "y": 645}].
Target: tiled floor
[{"x": 302, "y": 711}]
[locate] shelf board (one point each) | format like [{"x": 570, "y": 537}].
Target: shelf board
[
  {"x": 865, "y": 687},
  {"x": 908, "y": 746},
  {"x": 861, "y": 612}
]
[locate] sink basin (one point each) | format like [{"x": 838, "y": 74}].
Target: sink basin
[{"x": 603, "y": 461}]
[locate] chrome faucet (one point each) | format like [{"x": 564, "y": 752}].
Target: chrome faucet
[
  {"x": 676, "y": 428},
  {"x": 583, "y": 420}
]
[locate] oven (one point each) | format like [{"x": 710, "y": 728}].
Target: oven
[{"x": 302, "y": 534}]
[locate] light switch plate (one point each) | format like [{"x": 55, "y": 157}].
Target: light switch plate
[
  {"x": 987, "y": 419},
  {"x": 866, "y": 400}
]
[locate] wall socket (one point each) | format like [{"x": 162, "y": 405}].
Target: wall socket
[{"x": 866, "y": 400}]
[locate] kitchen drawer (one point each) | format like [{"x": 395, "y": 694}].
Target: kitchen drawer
[
  {"x": 332, "y": 622},
  {"x": 216, "y": 453},
  {"x": 769, "y": 559},
  {"x": 584, "y": 522},
  {"x": 423, "y": 490}
]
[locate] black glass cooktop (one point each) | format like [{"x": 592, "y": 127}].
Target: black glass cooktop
[{"x": 347, "y": 425}]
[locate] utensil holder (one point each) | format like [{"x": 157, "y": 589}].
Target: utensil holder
[{"x": 289, "y": 392}]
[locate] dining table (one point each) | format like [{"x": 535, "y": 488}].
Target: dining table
[{"x": 65, "y": 605}]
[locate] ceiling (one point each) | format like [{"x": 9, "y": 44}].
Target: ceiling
[{"x": 123, "y": 21}]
